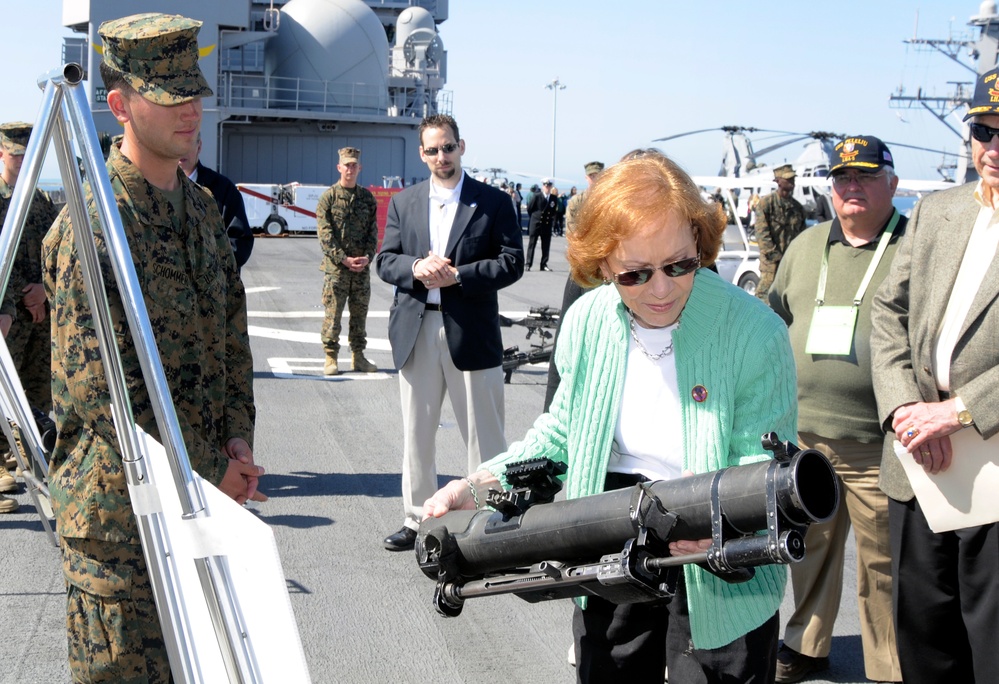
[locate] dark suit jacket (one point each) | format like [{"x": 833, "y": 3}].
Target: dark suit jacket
[
  {"x": 542, "y": 210},
  {"x": 908, "y": 308},
  {"x": 231, "y": 206},
  {"x": 487, "y": 249}
]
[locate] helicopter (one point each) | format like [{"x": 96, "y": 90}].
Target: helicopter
[{"x": 742, "y": 171}]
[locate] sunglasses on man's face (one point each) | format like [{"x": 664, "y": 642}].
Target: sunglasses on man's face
[
  {"x": 446, "y": 148},
  {"x": 673, "y": 269},
  {"x": 983, "y": 133}
]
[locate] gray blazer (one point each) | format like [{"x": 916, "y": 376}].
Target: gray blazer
[{"x": 908, "y": 308}]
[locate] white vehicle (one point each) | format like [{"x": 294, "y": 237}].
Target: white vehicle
[
  {"x": 738, "y": 259},
  {"x": 276, "y": 209}
]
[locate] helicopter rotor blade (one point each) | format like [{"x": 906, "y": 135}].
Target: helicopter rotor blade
[
  {"x": 924, "y": 149},
  {"x": 777, "y": 146},
  {"x": 681, "y": 135}
]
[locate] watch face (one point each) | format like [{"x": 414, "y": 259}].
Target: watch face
[{"x": 964, "y": 418}]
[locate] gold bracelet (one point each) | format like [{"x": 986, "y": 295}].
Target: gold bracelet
[{"x": 475, "y": 494}]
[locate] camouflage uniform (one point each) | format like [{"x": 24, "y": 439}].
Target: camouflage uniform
[
  {"x": 197, "y": 311},
  {"x": 576, "y": 202},
  {"x": 778, "y": 221},
  {"x": 571, "y": 210},
  {"x": 29, "y": 342},
  {"x": 347, "y": 227}
]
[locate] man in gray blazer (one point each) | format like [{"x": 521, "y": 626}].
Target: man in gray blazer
[
  {"x": 935, "y": 359},
  {"x": 450, "y": 244}
]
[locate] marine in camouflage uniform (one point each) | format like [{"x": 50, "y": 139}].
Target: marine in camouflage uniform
[
  {"x": 28, "y": 340},
  {"x": 576, "y": 202},
  {"x": 779, "y": 219},
  {"x": 348, "y": 234},
  {"x": 197, "y": 310}
]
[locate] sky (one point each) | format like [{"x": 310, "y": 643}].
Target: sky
[{"x": 637, "y": 70}]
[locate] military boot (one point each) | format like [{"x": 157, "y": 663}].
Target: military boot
[
  {"x": 361, "y": 364},
  {"x": 7, "y": 481},
  {"x": 7, "y": 504},
  {"x": 331, "y": 367}
]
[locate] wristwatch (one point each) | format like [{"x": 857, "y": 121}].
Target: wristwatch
[
  {"x": 963, "y": 414},
  {"x": 457, "y": 277}
]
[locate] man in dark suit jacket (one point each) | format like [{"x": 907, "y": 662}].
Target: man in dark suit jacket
[
  {"x": 935, "y": 365},
  {"x": 450, "y": 244},
  {"x": 543, "y": 210},
  {"x": 229, "y": 200}
]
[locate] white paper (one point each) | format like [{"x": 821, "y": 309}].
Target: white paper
[
  {"x": 964, "y": 495},
  {"x": 257, "y": 577}
]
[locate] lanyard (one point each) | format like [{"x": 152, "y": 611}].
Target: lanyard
[{"x": 878, "y": 253}]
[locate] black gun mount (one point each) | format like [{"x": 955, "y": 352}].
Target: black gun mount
[
  {"x": 534, "y": 481},
  {"x": 615, "y": 544}
]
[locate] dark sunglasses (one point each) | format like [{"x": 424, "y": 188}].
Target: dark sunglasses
[
  {"x": 673, "y": 269},
  {"x": 983, "y": 133},
  {"x": 447, "y": 148}
]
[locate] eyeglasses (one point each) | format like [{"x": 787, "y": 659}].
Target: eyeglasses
[
  {"x": 673, "y": 269},
  {"x": 546, "y": 183},
  {"x": 845, "y": 180},
  {"x": 983, "y": 133},
  {"x": 446, "y": 148}
]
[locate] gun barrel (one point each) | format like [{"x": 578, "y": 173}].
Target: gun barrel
[{"x": 803, "y": 490}]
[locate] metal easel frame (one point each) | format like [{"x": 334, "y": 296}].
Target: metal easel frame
[{"x": 64, "y": 117}]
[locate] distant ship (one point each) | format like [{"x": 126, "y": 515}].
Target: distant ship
[{"x": 985, "y": 51}]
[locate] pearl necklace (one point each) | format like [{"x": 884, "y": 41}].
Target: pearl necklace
[{"x": 667, "y": 350}]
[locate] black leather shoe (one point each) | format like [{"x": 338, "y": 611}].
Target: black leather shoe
[
  {"x": 402, "y": 540},
  {"x": 545, "y": 268},
  {"x": 794, "y": 667}
]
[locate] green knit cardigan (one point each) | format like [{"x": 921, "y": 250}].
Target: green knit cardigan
[{"x": 730, "y": 344}]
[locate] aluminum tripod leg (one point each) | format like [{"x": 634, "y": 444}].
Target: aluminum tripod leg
[
  {"x": 21, "y": 430},
  {"x": 19, "y": 423}
]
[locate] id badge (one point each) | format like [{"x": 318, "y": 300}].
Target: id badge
[{"x": 831, "y": 332}]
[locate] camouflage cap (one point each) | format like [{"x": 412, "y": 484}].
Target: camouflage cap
[
  {"x": 986, "y": 99},
  {"x": 861, "y": 152},
  {"x": 786, "y": 172},
  {"x": 349, "y": 154},
  {"x": 14, "y": 137},
  {"x": 593, "y": 168},
  {"x": 158, "y": 56}
]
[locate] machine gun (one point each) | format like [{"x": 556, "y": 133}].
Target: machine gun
[
  {"x": 541, "y": 320},
  {"x": 616, "y": 544}
]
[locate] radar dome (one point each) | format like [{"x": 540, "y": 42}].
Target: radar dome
[
  {"x": 410, "y": 20},
  {"x": 341, "y": 42}
]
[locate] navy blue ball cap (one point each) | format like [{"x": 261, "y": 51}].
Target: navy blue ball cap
[
  {"x": 861, "y": 152},
  {"x": 986, "y": 99}
]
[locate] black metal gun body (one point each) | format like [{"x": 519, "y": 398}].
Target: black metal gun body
[
  {"x": 615, "y": 544},
  {"x": 540, "y": 321}
]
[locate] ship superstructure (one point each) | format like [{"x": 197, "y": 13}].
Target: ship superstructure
[{"x": 295, "y": 80}]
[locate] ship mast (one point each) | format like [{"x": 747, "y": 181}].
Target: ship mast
[{"x": 985, "y": 52}]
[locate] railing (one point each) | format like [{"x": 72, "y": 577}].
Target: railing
[{"x": 252, "y": 91}]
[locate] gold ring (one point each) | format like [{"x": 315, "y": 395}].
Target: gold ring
[
  {"x": 924, "y": 453},
  {"x": 911, "y": 432}
]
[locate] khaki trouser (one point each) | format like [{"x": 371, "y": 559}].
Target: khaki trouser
[
  {"x": 476, "y": 398},
  {"x": 818, "y": 579}
]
